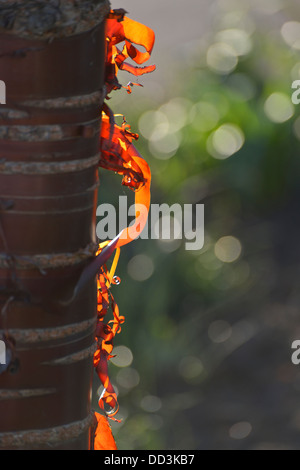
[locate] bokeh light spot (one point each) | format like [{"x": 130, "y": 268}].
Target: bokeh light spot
[
  {"x": 219, "y": 331},
  {"x": 225, "y": 141},
  {"x": 238, "y": 39},
  {"x": 190, "y": 367},
  {"x": 165, "y": 146},
  {"x": 151, "y": 403},
  {"x": 278, "y": 107},
  {"x": 176, "y": 111},
  {"x": 140, "y": 268},
  {"x": 153, "y": 125},
  {"x": 221, "y": 58},
  {"x": 168, "y": 246},
  {"x": 237, "y": 18},
  {"x": 269, "y": 7},
  {"x": 204, "y": 116},
  {"x": 128, "y": 378},
  {"x": 228, "y": 249},
  {"x": 240, "y": 430},
  {"x": 123, "y": 356},
  {"x": 290, "y": 32}
]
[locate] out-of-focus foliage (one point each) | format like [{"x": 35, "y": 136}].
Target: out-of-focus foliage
[{"x": 204, "y": 355}]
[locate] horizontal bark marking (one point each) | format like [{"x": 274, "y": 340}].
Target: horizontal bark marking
[
  {"x": 53, "y": 212},
  {"x": 91, "y": 99},
  {"x": 45, "y": 168},
  {"x": 49, "y": 197},
  {"x": 38, "y": 335},
  {"x": 51, "y": 132},
  {"x": 25, "y": 393},
  {"x": 48, "y": 261},
  {"x": 75, "y": 357},
  {"x": 50, "y": 436}
]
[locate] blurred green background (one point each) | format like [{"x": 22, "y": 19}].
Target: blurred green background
[{"x": 204, "y": 357}]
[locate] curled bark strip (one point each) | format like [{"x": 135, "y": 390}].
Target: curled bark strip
[
  {"x": 39, "y": 335},
  {"x": 45, "y": 168},
  {"x": 93, "y": 268},
  {"x": 48, "y": 261},
  {"x": 25, "y": 393},
  {"x": 48, "y": 437},
  {"x": 75, "y": 357}
]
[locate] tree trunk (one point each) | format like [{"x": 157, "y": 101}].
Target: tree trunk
[{"x": 52, "y": 63}]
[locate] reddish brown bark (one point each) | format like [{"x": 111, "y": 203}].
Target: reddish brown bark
[{"x": 49, "y": 139}]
